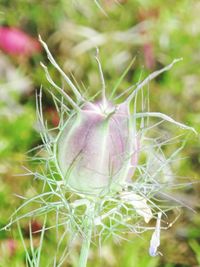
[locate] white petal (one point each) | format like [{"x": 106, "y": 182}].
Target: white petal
[
  {"x": 155, "y": 239},
  {"x": 140, "y": 205}
]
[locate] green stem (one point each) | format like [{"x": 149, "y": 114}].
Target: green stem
[{"x": 87, "y": 237}]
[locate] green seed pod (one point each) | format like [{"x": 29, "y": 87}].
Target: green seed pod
[{"x": 98, "y": 147}]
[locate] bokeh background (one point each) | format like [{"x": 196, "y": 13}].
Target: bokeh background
[{"x": 152, "y": 32}]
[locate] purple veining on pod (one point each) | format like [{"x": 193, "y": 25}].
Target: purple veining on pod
[{"x": 98, "y": 147}]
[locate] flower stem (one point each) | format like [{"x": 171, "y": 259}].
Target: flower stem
[{"x": 87, "y": 237}]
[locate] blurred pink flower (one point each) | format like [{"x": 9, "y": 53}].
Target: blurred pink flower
[
  {"x": 16, "y": 42},
  {"x": 11, "y": 247},
  {"x": 149, "y": 56}
]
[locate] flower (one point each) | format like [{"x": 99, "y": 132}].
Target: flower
[{"x": 16, "y": 42}]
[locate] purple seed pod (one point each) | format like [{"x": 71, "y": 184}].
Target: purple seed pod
[{"x": 98, "y": 147}]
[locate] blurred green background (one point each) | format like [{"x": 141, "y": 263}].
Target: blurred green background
[{"x": 154, "y": 32}]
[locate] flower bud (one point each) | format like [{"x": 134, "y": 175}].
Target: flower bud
[{"x": 97, "y": 147}]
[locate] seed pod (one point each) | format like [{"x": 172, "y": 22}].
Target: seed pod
[{"x": 97, "y": 147}]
